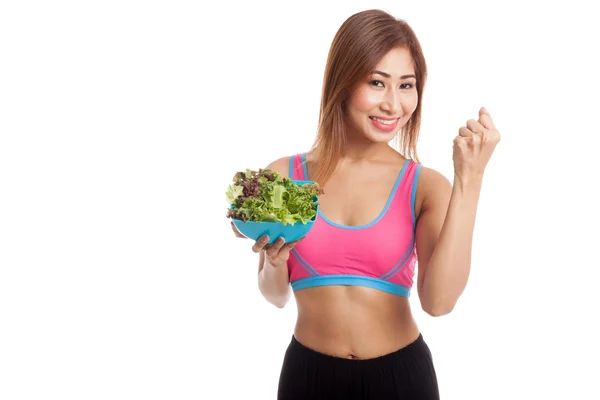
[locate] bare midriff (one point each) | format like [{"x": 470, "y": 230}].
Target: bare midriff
[{"x": 353, "y": 322}]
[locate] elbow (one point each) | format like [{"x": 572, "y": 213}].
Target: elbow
[
  {"x": 438, "y": 308},
  {"x": 438, "y": 312},
  {"x": 273, "y": 292},
  {"x": 280, "y": 302}
]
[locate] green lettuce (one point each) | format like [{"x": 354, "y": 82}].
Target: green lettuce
[{"x": 266, "y": 196}]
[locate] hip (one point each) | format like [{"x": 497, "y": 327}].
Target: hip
[{"x": 406, "y": 373}]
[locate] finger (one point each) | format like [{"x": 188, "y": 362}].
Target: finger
[
  {"x": 484, "y": 111},
  {"x": 260, "y": 244},
  {"x": 277, "y": 243},
  {"x": 291, "y": 245},
  {"x": 465, "y": 132},
  {"x": 460, "y": 142},
  {"x": 485, "y": 119},
  {"x": 475, "y": 126},
  {"x": 273, "y": 249},
  {"x": 283, "y": 253}
]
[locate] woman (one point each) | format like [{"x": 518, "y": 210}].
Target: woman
[{"x": 381, "y": 213}]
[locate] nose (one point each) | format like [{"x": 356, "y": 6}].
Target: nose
[{"x": 391, "y": 102}]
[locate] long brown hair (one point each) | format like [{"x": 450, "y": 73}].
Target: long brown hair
[{"x": 358, "y": 46}]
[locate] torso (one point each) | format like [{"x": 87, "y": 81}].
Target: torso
[{"x": 353, "y": 321}]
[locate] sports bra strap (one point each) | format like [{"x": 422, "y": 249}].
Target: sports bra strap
[{"x": 296, "y": 168}]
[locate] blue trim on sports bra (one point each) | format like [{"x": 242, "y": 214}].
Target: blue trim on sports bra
[
  {"x": 303, "y": 262},
  {"x": 351, "y": 280},
  {"x": 413, "y": 195},
  {"x": 405, "y": 257},
  {"x": 303, "y": 157},
  {"x": 291, "y": 172},
  {"x": 383, "y": 212}
]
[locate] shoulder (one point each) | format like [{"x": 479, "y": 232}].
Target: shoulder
[
  {"x": 281, "y": 166},
  {"x": 433, "y": 188},
  {"x": 430, "y": 179}
]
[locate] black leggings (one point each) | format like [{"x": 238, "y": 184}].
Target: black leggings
[{"x": 407, "y": 373}]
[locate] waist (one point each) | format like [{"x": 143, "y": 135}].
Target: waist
[{"x": 353, "y": 322}]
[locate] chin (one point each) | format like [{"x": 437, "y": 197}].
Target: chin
[
  {"x": 377, "y": 136},
  {"x": 381, "y": 137}
]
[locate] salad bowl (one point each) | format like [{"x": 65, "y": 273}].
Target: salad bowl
[{"x": 265, "y": 203}]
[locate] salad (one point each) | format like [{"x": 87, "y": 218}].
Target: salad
[{"x": 266, "y": 196}]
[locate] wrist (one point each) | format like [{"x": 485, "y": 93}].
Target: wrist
[{"x": 468, "y": 183}]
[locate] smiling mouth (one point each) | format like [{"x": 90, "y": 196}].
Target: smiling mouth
[{"x": 385, "y": 121}]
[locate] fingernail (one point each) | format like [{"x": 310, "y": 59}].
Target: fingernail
[
  {"x": 264, "y": 238},
  {"x": 281, "y": 240}
]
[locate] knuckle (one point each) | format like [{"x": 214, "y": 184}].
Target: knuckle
[
  {"x": 258, "y": 247},
  {"x": 275, "y": 261}
]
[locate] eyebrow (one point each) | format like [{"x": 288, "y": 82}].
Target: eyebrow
[{"x": 385, "y": 74}]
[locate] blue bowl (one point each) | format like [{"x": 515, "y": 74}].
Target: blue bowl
[{"x": 290, "y": 232}]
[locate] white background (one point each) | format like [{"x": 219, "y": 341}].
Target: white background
[{"x": 123, "y": 122}]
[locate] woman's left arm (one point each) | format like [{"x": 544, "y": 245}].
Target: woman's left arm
[{"x": 444, "y": 232}]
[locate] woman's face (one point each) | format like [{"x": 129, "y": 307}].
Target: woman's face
[{"x": 385, "y": 101}]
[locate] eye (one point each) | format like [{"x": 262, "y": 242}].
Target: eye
[
  {"x": 376, "y": 83},
  {"x": 407, "y": 86}
]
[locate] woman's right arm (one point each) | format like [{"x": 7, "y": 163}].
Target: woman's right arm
[{"x": 273, "y": 278}]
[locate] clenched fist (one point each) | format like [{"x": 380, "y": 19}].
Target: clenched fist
[{"x": 473, "y": 147}]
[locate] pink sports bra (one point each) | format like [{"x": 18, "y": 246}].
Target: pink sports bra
[{"x": 380, "y": 255}]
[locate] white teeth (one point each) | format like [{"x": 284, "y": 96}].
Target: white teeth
[{"x": 383, "y": 121}]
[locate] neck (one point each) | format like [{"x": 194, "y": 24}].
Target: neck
[{"x": 359, "y": 148}]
